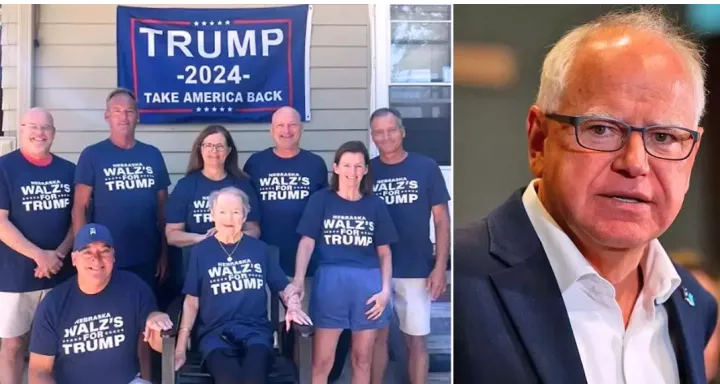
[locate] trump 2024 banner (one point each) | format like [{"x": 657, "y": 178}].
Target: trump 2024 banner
[{"x": 235, "y": 65}]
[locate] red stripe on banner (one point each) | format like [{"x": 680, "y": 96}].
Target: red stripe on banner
[
  {"x": 266, "y": 21},
  {"x": 134, "y": 61},
  {"x": 289, "y": 59},
  {"x": 259, "y": 109}
]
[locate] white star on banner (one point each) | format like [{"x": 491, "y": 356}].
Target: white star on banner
[
  {"x": 222, "y": 109},
  {"x": 229, "y": 109},
  {"x": 212, "y": 23},
  {"x": 227, "y": 22},
  {"x": 207, "y": 109},
  {"x": 204, "y": 23},
  {"x": 196, "y": 23},
  {"x": 199, "y": 109},
  {"x": 214, "y": 109}
]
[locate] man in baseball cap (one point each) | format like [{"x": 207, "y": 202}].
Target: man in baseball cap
[
  {"x": 88, "y": 328},
  {"x": 91, "y": 233}
]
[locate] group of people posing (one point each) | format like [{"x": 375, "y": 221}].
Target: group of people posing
[{"x": 352, "y": 250}]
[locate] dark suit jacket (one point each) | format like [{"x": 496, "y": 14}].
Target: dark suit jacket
[{"x": 510, "y": 322}]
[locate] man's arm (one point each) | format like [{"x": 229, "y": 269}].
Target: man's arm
[
  {"x": 162, "y": 196},
  {"x": 441, "y": 219},
  {"x": 154, "y": 325},
  {"x": 385, "y": 256},
  {"x": 65, "y": 247},
  {"x": 176, "y": 236},
  {"x": 437, "y": 281},
  {"x": 81, "y": 205},
  {"x": 145, "y": 358},
  {"x": 13, "y": 238},
  {"x": 61, "y": 251},
  {"x": 302, "y": 260},
  {"x": 40, "y": 369},
  {"x": 47, "y": 261},
  {"x": 252, "y": 229}
]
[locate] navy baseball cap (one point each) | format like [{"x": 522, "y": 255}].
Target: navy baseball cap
[{"x": 91, "y": 233}]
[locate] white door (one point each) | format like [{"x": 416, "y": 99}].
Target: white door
[{"x": 412, "y": 72}]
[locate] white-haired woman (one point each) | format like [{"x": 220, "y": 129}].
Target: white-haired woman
[{"x": 227, "y": 273}]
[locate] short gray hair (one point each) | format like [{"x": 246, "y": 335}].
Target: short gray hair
[
  {"x": 120, "y": 91},
  {"x": 388, "y": 111},
  {"x": 553, "y": 80},
  {"x": 234, "y": 191}
]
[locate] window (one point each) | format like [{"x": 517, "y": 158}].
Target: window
[{"x": 415, "y": 44}]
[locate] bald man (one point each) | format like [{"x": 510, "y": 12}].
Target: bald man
[
  {"x": 284, "y": 177},
  {"x": 35, "y": 233}
]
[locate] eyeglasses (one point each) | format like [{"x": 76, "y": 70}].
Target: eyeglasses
[
  {"x": 216, "y": 147},
  {"x": 42, "y": 128},
  {"x": 609, "y": 135}
]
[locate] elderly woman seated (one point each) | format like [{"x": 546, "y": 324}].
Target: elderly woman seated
[{"x": 225, "y": 290}]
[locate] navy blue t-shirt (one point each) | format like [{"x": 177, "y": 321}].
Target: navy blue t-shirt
[
  {"x": 39, "y": 202},
  {"x": 232, "y": 292},
  {"x": 347, "y": 232},
  {"x": 188, "y": 203},
  {"x": 284, "y": 187},
  {"x": 125, "y": 185},
  {"x": 411, "y": 188},
  {"x": 94, "y": 338}
]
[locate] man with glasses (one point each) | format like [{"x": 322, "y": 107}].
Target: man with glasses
[
  {"x": 35, "y": 233},
  {"x": 566, "y": 282}
]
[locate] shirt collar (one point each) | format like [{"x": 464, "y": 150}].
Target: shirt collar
[
  {"x": 661, "y": 277},
  {"x": 569, "y": 265}
]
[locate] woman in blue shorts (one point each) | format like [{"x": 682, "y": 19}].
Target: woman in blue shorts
[{"x": 353, "y": 230}]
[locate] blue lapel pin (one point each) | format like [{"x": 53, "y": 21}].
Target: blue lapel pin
[{"x": 689, "y": 297}]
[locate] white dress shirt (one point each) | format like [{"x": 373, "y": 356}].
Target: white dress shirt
[{"x": 611, "y": 354}]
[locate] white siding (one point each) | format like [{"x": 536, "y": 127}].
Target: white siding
[
  {"x": 76, "y": 68},
  {"x": 8, "y": 43}
]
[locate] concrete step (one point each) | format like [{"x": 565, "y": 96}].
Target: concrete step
[
  {"x": 439, "y": 378},
  {"x": 438, "y": 342}
]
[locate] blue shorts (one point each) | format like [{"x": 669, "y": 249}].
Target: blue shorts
[{"x": 339, "y": 295}]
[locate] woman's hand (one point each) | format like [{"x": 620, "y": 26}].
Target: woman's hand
[
  {"x": 202, "y": 236},
  {"x": 295, "y": 313},
  {"x": 381, "y": 299},
  {"x": 297, "y": 286},
  {"x": 179, "y": 359}
]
